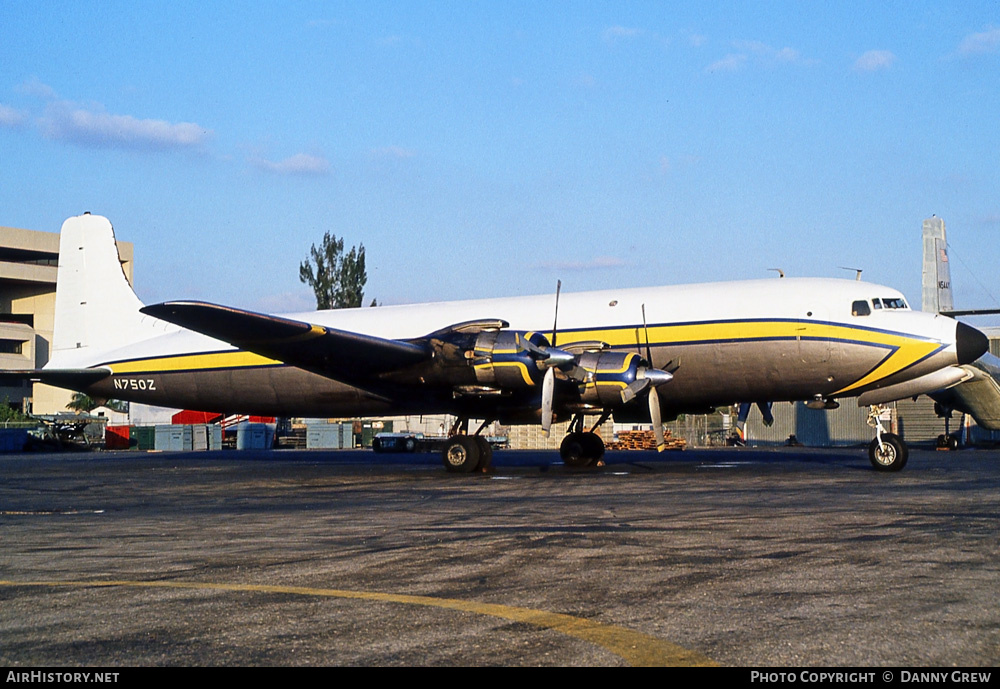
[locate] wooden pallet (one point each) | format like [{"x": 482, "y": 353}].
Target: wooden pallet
[{"x": 643, "y": 440}]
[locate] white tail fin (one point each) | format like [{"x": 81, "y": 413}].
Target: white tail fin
[
  {"x": 96, "y": 308},
  {"x": 937, "y": 272}
]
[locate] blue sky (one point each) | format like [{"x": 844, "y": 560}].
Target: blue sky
[{"x": 483, "y": 149}]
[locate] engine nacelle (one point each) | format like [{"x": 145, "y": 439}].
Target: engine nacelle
[
  {"x": 500, "y": 359},
  {"x": 608, "y": 373}
]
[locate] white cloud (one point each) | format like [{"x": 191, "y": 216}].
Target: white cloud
[
  {"x": 753, "y": 47},
  {"x": 977, "y": 43},
  {"x": 92, "y": 125},
  {"x": 875, "y": 60},
  {"x": 788, "y": 55},
  {"x": 697, "y": 40},
  {"x": 599, "y": 262},
  {"x": 730, "y": 63},
  {"x": 759, "y": 53},
  {"x": 10, "y": 117},
  {"x": 298, "y": 164},
  {"x": 66, "y": 122},
  {"x": 34, "y": 87}
]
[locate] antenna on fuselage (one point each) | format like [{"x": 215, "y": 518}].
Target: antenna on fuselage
[
  {"x": 780, "y": 272},
  {"x": 555, "y": 319},
  {"x": 645, "y": 329},
  {"x": 857, "y": 270}
]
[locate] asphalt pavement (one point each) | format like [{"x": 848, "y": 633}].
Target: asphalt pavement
[{"x": 738, "y": 557}]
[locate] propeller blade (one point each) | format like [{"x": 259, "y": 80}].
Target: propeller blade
[
  {"x": 632, "y": 390},
  {"x": 548, "y": 386},
  {"x": 657, "y": 419}
]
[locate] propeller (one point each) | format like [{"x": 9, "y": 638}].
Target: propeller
[
  {"x": 548, "y": 386},
  {"x": 649, "y": 379}
]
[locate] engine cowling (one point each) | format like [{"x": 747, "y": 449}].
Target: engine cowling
[
  {"x": 501, "y": 360},
  {"x": 608, "y": 374}
]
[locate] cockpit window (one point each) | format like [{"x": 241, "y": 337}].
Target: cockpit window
[
  {"x": 877, "y": 303},
  {"x": 893, "y": 303},
  {"x": 860, "y": 308}
]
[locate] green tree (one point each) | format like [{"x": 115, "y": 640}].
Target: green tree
[
  {"x": 86, "y": 404},
  {"x": 337, "y": 279},
  {"x": 82, "y": 403}
]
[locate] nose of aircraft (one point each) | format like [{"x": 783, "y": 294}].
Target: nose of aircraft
[{"x": 970, "y": 343}]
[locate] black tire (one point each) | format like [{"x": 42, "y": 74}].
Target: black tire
[
  {"x": 952, "y": 442},
  {"x": 376, "y": 445},
  {"x": 485, "y": 452},
  {"x": 461, "y": 454},
  {"x": 594, "y": 447},
  {"x": 573, "y": 451},
  {"x": 892, "y": 456},
  {"x": 581, "y": 449}
]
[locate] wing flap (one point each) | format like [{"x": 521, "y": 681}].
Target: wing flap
[{"x": 330, "y": 352}]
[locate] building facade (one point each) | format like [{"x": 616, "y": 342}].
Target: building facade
[{"x": 29, "y": 261}]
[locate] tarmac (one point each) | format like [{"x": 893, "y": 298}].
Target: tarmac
[{"x": 737, "y": 557}]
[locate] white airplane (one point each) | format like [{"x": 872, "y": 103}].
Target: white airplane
[{"x": 641, "y": 354}]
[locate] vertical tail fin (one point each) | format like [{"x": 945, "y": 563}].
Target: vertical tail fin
[
  {"x": 96, "y": 308},
  {"x": 937, "y": 272}
]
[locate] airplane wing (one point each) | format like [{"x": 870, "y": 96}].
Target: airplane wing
[
  {"x": 338, "y": 354},
  {"x": 979, "y": 395}
]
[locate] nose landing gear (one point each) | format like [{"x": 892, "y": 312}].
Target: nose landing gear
[{"x": 887, "y": 452}]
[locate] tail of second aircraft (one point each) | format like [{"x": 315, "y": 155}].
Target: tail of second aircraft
[
  {"x": 937, "y": 273},
  {"x": 96, "y": 309}
]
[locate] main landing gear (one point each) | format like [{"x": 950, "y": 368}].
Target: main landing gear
[
  {"x": 887, "y": 452},
  {"x": 463, "y": 453},
  {"x": 582, "y": 448}
]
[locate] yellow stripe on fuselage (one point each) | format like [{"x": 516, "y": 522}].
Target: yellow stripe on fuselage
[
  {"x": 904, "y": 350},
  {"x": 193, "y": 362}
]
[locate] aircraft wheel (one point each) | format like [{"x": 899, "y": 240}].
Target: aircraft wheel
[
  {"x": 594, "y": 446},
  {"x": 461, "y": 454},
  {"x": 891, "y": 456},
  {"x": 572, "y": 452},
  {"x": 581, "y": 449},
  {"x": 485, "y": 452},
  {"x": 952, "y": 442}
]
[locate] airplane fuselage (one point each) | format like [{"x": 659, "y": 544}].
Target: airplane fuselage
[{"x": 778, "y": 339}]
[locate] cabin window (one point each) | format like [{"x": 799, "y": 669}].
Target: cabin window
[
  {"x": 860, "y": 308},
  {"x": 877, "y": 303}
]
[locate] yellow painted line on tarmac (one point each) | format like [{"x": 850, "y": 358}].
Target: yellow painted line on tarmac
[{"x": 637, "y": 649}]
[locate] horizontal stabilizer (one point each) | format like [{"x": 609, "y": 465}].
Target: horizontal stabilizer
[
  {"x": 69, "y": 378},
  {"x": 330, "y": 352}
]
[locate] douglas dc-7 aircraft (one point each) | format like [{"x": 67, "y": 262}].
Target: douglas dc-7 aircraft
[{"x": 642, "y": 355}]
